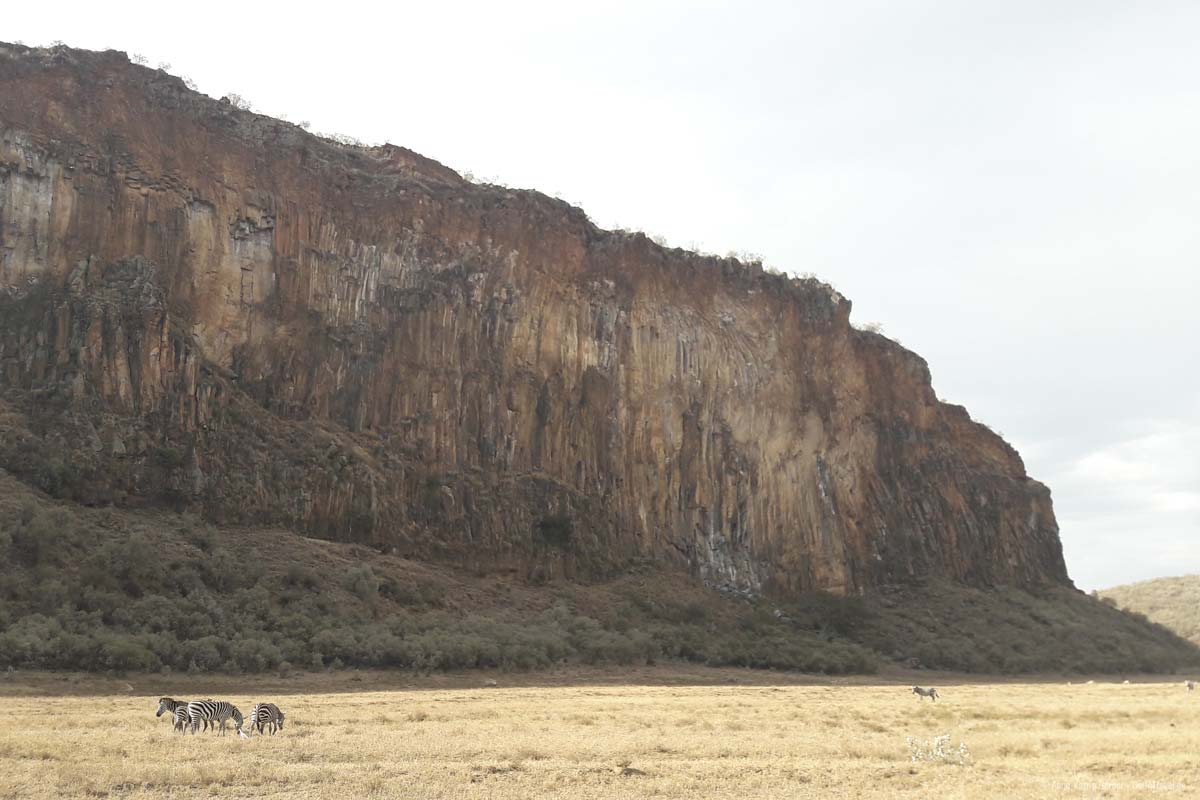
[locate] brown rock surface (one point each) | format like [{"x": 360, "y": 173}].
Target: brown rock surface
[{"x": 210, "y": 308}]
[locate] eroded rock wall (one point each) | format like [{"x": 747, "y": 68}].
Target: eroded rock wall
[{"x": 213, "y": 309}]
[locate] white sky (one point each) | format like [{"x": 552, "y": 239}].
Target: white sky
[{"x": 1011, "y": 188}]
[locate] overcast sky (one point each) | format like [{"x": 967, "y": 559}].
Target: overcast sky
[{"x": 1012, "y": 189}]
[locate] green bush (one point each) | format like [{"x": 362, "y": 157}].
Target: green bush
[
  {"x": 300, "y": 576},
  {"x": 40, "y": 538},
  {"x": 169, "y": 457},
  {"x": 554, "y": 531},
  {"x": 362, "y": 583},
  {"x": 124, "y": 654}
]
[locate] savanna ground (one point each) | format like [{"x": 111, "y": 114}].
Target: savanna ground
[{"x": 593, "y": 734}]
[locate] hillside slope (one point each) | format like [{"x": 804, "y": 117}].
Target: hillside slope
[
  {"x": 1173, "y": 603},
  {"x": 107, "y": 589},
  {"x": 209, "y": 310}
]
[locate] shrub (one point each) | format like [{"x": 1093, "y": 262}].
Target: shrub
[
  {"x": 202, "y": 537},
  {"x": 301, "y": 577},
  {"x": 237, "y": 101},
  {"x": 133, "y": 563},
  {"x": 202, "y": 655},
  {"x": 169, "y": 458},
  {"x": 827, "y": 612},
  {"x": 554, "y": 530},
  {"x": 254, "y": 654},
  {"x": 57, "y": 477},
  {"x": 362, "y": 583},
  {"x": 125, "y": 654},
  {"x": 40, "y": 538}
]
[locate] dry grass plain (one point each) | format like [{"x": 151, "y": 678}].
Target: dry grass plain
[{"x": 587, "y": 736}]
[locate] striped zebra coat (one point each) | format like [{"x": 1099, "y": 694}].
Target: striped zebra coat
[
  {"x": 931, "y": 693},
  {"x": 172, "y": 708},
  {"x": 214, "y": 712},
  {"x": 180, "y": 715},
  {"x": 167, "y": 705},
  {"x": 266, "y": 715}
]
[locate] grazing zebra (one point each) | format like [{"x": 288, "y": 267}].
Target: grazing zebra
[
  {"x": 266, "y": 714},
  {"x": 931, "y": 693},
  {"x": 215, "y": 711},
  {"x": 1191, "y": 686}
]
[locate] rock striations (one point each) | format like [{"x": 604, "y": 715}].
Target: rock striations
[{"x": 212, "y": 309}]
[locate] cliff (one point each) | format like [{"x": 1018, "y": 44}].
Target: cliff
[{"x": 217, "y": 311}]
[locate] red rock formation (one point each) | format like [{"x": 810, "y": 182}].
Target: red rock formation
[{"x": 207, "y": 307}]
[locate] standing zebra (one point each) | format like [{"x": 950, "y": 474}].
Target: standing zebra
[
  {"x": 215, "y": 711},
  {"x": 172, "y": 707},
  {"x": 266, "y": 714},
  {"x": 180, "y": 716},
  {"x": 1191, "y": 686},
  {"x": 167, "y": 705},
  {"x": 931, "y": 693}
]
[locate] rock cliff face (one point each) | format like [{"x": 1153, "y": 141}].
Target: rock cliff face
[{"x": 208, "y": 308}]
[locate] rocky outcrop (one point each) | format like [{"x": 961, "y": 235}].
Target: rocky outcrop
[{"x": 213, "y": 309}]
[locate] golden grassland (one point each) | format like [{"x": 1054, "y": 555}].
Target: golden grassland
[{"x": 700, "y": 733}]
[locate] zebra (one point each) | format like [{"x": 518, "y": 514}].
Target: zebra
[
  {"x": 172, "y": 707},
  {"x": 1191, "y": 685},
  {"x": 180, "y": 715},
  {"x": 215, "y": 711},
  {"x": 266, "y": 714},
  {"x": 931, "y": 693},
  {"x": 167, "y": 705}
]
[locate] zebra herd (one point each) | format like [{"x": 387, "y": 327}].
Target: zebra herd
[{"x": 188, "y": 716}]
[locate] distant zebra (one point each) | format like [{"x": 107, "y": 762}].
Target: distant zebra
[
  {"x": 268, "y": 715},
  {"x": 214, "y": 711},
  {"x": 1191, "y": 686},
  {"x": 931, "y": 693}
]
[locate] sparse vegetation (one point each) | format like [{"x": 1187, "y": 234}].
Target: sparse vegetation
[
  {"x": 343, "y": 139},
  {"x": 237, "y": 101},
  {"x": 1170, "y": 602}
]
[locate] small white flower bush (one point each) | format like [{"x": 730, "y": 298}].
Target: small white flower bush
[{"x": 939, "y": 750}]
